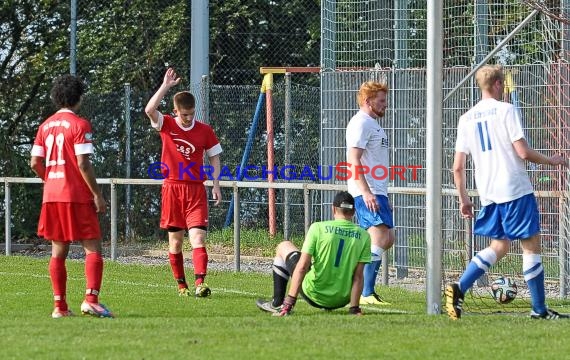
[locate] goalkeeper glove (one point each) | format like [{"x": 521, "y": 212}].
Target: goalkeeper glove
[
  {"x": 355, "y": 310},
  {"x": 287, "y": 306}
]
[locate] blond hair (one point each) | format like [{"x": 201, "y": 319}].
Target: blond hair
[
  {"x": 369, "y": 90},
  {"x": 488, "y": 75}
]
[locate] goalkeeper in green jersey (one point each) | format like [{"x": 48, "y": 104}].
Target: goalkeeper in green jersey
[{"x": 328, "y": 271}]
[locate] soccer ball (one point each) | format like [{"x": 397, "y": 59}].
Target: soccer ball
[{"x": 504, "y": 290}]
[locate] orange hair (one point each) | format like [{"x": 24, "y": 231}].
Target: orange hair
[{"x": 369, "y": 90}]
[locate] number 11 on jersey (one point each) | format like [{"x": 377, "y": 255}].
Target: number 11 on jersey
[{"x": 484, "y": 138}]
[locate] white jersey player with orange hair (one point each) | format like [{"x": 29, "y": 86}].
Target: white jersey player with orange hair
[{"x": 367, "y": 148}]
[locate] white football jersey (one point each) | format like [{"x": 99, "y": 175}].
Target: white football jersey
[
  {"x": 364, "y": 132},
  {"x": 487, "y": 132}
]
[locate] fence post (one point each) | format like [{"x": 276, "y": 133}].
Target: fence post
[
  {"x": 113, "y": 221},
  {"x": 127, "y": 104},
  {"x": 205, "y": 96},
  {"x": 385, "y": 268},
  {"x": 236, "y": 229},
  {"x": 270, "y": 154},
  {"x": 563, "y": 247},
  {"x": 73, "y": 39},
  {"x": 286, "y": 202},
  {"x": 8, "y": 207},
  {"x": 308, "y": 207}
]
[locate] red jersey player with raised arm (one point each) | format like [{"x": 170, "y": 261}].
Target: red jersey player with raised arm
[
  {"x": 184, "y": 198},
  {"x": 71, "y": 196}
]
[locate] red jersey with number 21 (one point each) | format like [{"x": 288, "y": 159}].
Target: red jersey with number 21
[
  {"x": 60, "y": 138},
  {"x": 183, "y": 149}
]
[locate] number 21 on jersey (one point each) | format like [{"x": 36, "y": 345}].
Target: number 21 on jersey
[
  {"x": 484, "y": 137},
  {"x": 58, "y": 140}
]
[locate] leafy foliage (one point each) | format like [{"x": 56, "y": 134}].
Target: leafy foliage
[
  {"x": 132, "y": 42},
  {"x": 247, "y": 34}
]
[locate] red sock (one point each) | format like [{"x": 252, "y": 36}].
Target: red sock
[
  {"x": 200, "y": 260},
  {"x": 177, "y": 266},
  {"x": 58, "y": 276},
  {"x": 94, "y": 275}
]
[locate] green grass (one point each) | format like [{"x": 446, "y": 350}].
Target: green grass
[
  {"x": 252, "y": 241},
  {"x": 154, "y": 323},
  {"x": 255, "y": 242}
]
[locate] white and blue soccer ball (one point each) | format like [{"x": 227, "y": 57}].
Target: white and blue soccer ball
[{"x": 504, "y": 290}]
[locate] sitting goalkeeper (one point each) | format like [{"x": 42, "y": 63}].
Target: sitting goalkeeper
[{"x": 328, "y": 271}]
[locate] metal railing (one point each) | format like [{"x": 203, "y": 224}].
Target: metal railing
[{"x": 307, "y": 188}]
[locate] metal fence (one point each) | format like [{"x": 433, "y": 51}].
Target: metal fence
[
  {"x": 408, "y": 254},
  {"x": 538, "y": 90},
  {"x": 386, "y": 37},
  {"x": 230, "y": 113},
  {"x": 542, "y": 95}
]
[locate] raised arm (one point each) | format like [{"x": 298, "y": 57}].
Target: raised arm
[{"x": 151, "y": 109}]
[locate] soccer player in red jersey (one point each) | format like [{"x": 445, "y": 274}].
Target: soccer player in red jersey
[
  {"x": 184, "y": 198},
  {"x": 71, "y": 196}
]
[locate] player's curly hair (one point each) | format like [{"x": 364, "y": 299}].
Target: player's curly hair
[
  {"x": 369, "y": 90},
  {"x": 487, "y": 75},
  {"x": 66, "y": 91},
  {"x": 184, "y": 100}
]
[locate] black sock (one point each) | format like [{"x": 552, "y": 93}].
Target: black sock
[{"x": 280, "y": 280}]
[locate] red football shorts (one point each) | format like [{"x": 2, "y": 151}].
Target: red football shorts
[
  {"x": 69, "y": 222},
  {"x": 184, "y": 205}
]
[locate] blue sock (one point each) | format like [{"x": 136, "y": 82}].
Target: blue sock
[
  {"x": 477, "y": 267},
  {"x": 371, "y": 271},
  {"x": 534, "y": 277}
]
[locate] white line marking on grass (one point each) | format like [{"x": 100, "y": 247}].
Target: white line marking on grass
[
  {"x": 232, "y": 291},
  {"x": 24, "y": 274},
  {"x": 387, "y": 310},
  {"x": 131, "y": 283}
]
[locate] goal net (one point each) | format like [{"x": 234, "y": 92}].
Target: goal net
[{"x": 363, "y": 40}]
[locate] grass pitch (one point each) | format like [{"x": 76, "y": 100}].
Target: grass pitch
[{"x": 154, "y": 323}]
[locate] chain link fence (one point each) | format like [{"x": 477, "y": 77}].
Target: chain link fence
[
  {"x": 123, "y": 49},
  {"x": 231, "y": 109},
  {"x": 374, "y": 40}
]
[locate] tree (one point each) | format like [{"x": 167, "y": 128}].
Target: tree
[
  {"x": 246, "y": 35},
  {"x": 124, "y": 41},
  {"x": 31, "y": 41}
]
